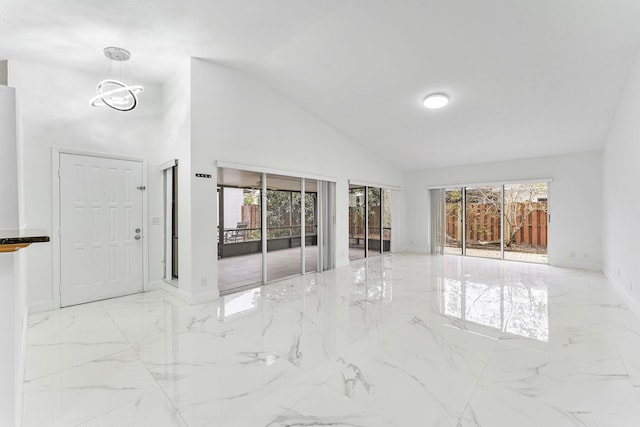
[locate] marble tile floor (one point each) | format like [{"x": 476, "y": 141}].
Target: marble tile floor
[
  {"x": 508, "y": 255},
  {"x": 238, "y": 271},
  {"x": 396, "y": 340},
  {"x": 356, "y": 254}
]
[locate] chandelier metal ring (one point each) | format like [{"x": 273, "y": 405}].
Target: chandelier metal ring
[{"x": 119, "y": 96}]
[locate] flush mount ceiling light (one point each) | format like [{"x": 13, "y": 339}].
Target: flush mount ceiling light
[
  {"x": 434, "y": 101},
  {"x": 113, "y": 92}
]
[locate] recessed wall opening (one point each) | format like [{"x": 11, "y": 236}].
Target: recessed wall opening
[{"x": 171, "y": 255}]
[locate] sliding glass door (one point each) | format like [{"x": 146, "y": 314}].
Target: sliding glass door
[
  {"x": 284, "y": 256},
  {"x": 271, "y": 227},
  {"x": 311, "y": 249},
  {"x": 239, "y": 229},
  {"x": 497, "y": 221},
  {"x": 369, "y": 221},
  {"x": 453, "y": 221},
  {"x": 525, "y": 222},
  {"x": 357, "y": 207},
  {"x": 483, "y": 207},
  {"x": 374, "y": 223}
]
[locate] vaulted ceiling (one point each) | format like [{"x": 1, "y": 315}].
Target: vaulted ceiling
[{"x": 525, "y": 78}]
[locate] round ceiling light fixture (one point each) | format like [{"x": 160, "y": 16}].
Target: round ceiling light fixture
[{"x": 434, "y": 101}]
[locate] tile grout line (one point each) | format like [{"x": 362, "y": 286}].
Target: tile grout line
[
  {"x": 177, "y": 412},
  {"x": 475, "y": 388},
  {"x": 88, "y": 361}
]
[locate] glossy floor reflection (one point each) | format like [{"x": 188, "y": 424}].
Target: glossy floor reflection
[{"x": 398, "y": 340}]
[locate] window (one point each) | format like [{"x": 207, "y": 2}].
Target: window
[{"x": 507, "y": 221}]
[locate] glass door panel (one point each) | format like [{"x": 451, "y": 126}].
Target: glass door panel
[
  {"x": 374, "y": 214},
  {"x": 386, "y": 220},
  {"x": 525, "y": 222},
  {"x": 239, "y": 229},
  {"x": 453, "y": 221},
  {"x": 311, "y": 225},
  {"x": 284, "y": 257},
  {"x": 483, "y": 217},
  {"x": 357, "y": 208}
]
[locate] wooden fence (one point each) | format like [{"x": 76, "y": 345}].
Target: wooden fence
[
  {"x": 251, "y": 214},
  {"x": 483, "y": 224}
]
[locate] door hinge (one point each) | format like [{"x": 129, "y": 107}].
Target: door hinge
[{"x": 141, "y": 187}]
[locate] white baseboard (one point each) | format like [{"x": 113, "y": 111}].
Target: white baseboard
[
  {"x": 152, "y": 286},
  {"x": 205, "y": 297},
  {"x": 574, "y": 263},
  {"x": 40, "y": 306},
  {"x": 186, "y": 296},
  {"x": 415, "y": 249},
  {"x": 634, "y": 304},
  {"x": 176, "y": 292}
]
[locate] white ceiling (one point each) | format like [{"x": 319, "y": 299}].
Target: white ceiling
[{"x": 526, "y": 78}]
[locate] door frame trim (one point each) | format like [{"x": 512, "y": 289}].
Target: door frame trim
[{"x": 55, "y": 214}]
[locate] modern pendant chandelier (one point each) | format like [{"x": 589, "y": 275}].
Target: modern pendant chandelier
[{"x": 113, "y": 92}]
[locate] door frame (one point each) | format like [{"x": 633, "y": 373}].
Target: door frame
[{"x": 55, "y": 214}]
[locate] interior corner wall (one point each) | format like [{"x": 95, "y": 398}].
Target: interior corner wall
[
  {"x": 575, "y": 200},
  {"x": 237, "y": 119},
  {"x": 621, "y": 229},
  {"x": 54, "y": 112},
  {"x": 174, "y": 143}
]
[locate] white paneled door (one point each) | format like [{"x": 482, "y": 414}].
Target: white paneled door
[{"x": 101, "y": 232}]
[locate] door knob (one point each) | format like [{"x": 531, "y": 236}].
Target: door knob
[
  {"x": 137, "y": 237},
  {"x": 137, "y": 230}
]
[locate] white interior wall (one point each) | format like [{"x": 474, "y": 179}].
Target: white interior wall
[
  {"x": 9, "y": 159},
  {"x": 621, "y": 232},
  {"x": 173, "y": 143},
  {"x": 54, "y": 112},
  {"x": 575, "y": 199},
  {"x": 13, "y": 302},
  {"x": 237, "y": 119}
]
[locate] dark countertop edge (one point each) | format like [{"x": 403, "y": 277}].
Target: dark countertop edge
[
  {"x": 23, "y": 236},
  {"x": 18, "y": 240}
]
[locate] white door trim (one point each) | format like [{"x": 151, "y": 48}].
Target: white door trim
[
  {"x": 260, "y": 169},
  {"x": 55, "y": 214}
]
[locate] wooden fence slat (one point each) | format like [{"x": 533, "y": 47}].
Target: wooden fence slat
[{"x": 484, "y": 225}]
